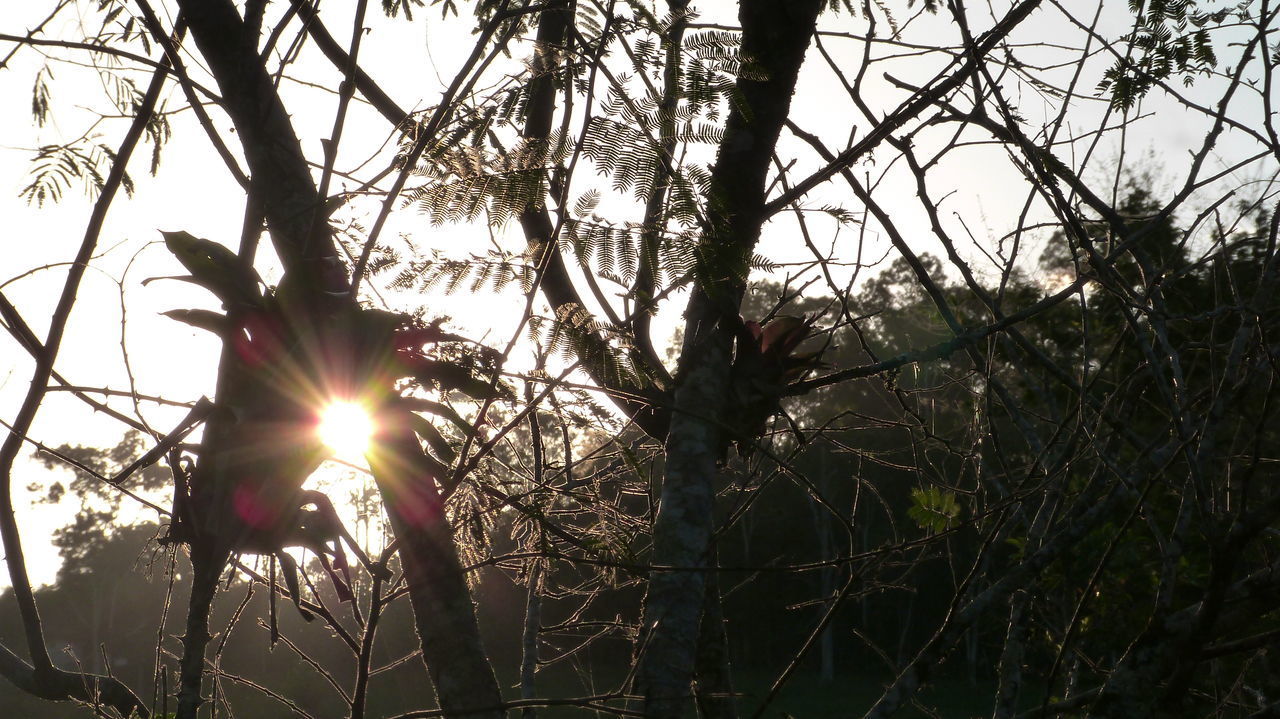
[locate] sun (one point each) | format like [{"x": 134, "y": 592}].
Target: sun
[{"x": 345, "y": 427}]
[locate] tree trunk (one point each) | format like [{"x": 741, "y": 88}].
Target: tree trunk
[
  {"x": 775, "y": 36},
  {"x": 715, "y": 681},
  {"x": 279, "y": 169},
  {"x": 529, "y": 639},
  {"x": 206, "y": 570},
  {"x": 442, "y": 610},
  {"x": 283, "y": 182}
]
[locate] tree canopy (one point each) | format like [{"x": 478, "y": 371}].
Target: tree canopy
[{"x": 706, "y": 350}]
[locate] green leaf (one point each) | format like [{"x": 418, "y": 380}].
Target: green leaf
[{"x": 933, "y": 509}]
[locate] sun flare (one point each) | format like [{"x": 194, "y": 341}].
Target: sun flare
[{"x": 345, "y": 427}]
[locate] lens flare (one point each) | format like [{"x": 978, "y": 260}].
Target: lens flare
[{"x": 345, "y": 427}]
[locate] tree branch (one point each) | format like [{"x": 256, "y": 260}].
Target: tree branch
[{"x": 48, "y": 681}]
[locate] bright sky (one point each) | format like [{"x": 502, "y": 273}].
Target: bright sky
[{"x": 193, "y": 192}]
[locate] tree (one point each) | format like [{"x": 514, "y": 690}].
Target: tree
[{"x": 1004, "y": 414}]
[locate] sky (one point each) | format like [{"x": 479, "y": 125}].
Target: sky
[{"x": 413, "y": 62}]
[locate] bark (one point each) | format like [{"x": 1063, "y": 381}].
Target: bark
[
  {"x": 775, "y": 36},
  {"x": 682, "y": 528},
  {"x": 715, "y": 680},
  {"x": 442, "y": 610},
  {"x": 279, "y": 169},
  {"x": 529, "y": 639},
  {"x": 204, "y": 585}
]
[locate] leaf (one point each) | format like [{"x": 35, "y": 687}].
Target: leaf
[
  {"x": 453, "y": 377},
  {"x": 417, "y": 404},
  {"x": 180, "y": 278},
  {"x": 214, "y": 322},
  {"x": 933, "y": 509},
  {"x": 215, "y": 267},
  {"x": 427, "y": 431},
  {"x": 40, "y": 97},
  {"x": 57, "y": 167}
]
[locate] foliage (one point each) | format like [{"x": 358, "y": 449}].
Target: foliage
[
  {"x": 56, "y": 168},
  {"x": 963, "y": 393},
  {"x": 1171, "y": 38},
  {"x": 934, "y": 509}
]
